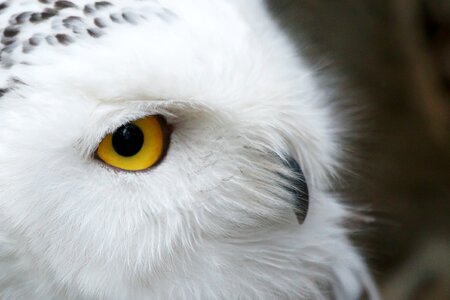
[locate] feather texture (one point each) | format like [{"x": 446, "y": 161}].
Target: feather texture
[{"x": 214, "y": 220}]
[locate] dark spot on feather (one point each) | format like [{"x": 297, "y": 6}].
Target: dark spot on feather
[
  {"x": 7, "y": 41},
  {"x": 64, "y": 39},
  {"x": 10, "y": 31},
  {"x": 3, "y": 6},
  {"x": 116, "y": 18},
  {"x": 35, "y": 18},
  {"x": 130, "y": 17},
  {"x": 48, "y": 13},
  {"x": 94, "y": 32},
  {"x": 102, "y": 4},
  {"x": 3, "y": 92},
  {"x": 99, "y": 23},
  {"x": 75, "y": 23},
  {"x": 88, "y": 9},
  {"x": 45, "y": 1},
  {"x": 27, "y": 48},
  {"x": 35, "y": 40},
  {"x": 17, "y": 81},
  {"x": 69, "y": 22},
  {"x": 23, "y": 17},
  {"x": 72, "y": 19},
  {"x": 64, "y": 4}
]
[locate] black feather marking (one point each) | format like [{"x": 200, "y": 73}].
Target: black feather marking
[
  {"x": 35, "y": 18},
  {"x": 22, "y": 17},
  {"x": 88, "y": 9},
  {"x": 299, "y": 188},
  {"x": 3, "y": 92},
  {"x": 3, "y": 6},
  {"x": 63, "y": 4},
  {"x": 17, "y": 81},
  {"x": 64, "y": 39},
  {"x": 102, "y": 4},
  {"x": 69, "y": 22},
  {"x": 100, "y": 23},
  {"x": 10, "y": 31},
  {"x": 27, "y": 47},
  {"x": 7, "y": 41},
  {"x": 75, "y": 23},
  {"x": 35, "y": 40},
  {"x": 116, "y": 18},
  {"x": 48, "y": 13},
  {"x": 95, "y": 32},
  {"x": 130, "y": 17}
]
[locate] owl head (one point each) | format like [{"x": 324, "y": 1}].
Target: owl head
[{"x": 165, "y": 150}]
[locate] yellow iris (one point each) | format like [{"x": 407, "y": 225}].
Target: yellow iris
[{"x": 135, "y": 146}]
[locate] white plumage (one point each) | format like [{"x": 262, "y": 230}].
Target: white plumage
[{"x": 215, "y": 219}]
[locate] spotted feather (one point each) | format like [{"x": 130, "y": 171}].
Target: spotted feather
[{"x": 26, "y": 26}]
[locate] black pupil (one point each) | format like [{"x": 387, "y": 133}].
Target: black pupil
[{"x": 128, "y": 140}]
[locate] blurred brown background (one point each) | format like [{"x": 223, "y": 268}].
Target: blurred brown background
[{"x": 393, "y": 59}]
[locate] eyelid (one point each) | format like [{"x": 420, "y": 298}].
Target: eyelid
[{"x": 106, "y": 118}]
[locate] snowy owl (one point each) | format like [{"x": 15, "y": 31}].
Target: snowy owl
[{"x": 166, "y": 149}]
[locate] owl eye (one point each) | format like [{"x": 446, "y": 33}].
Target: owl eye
[{"x": 136, "y": 146}]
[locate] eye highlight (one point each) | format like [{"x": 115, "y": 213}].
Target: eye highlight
[{"x": 136, "y": 146}]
